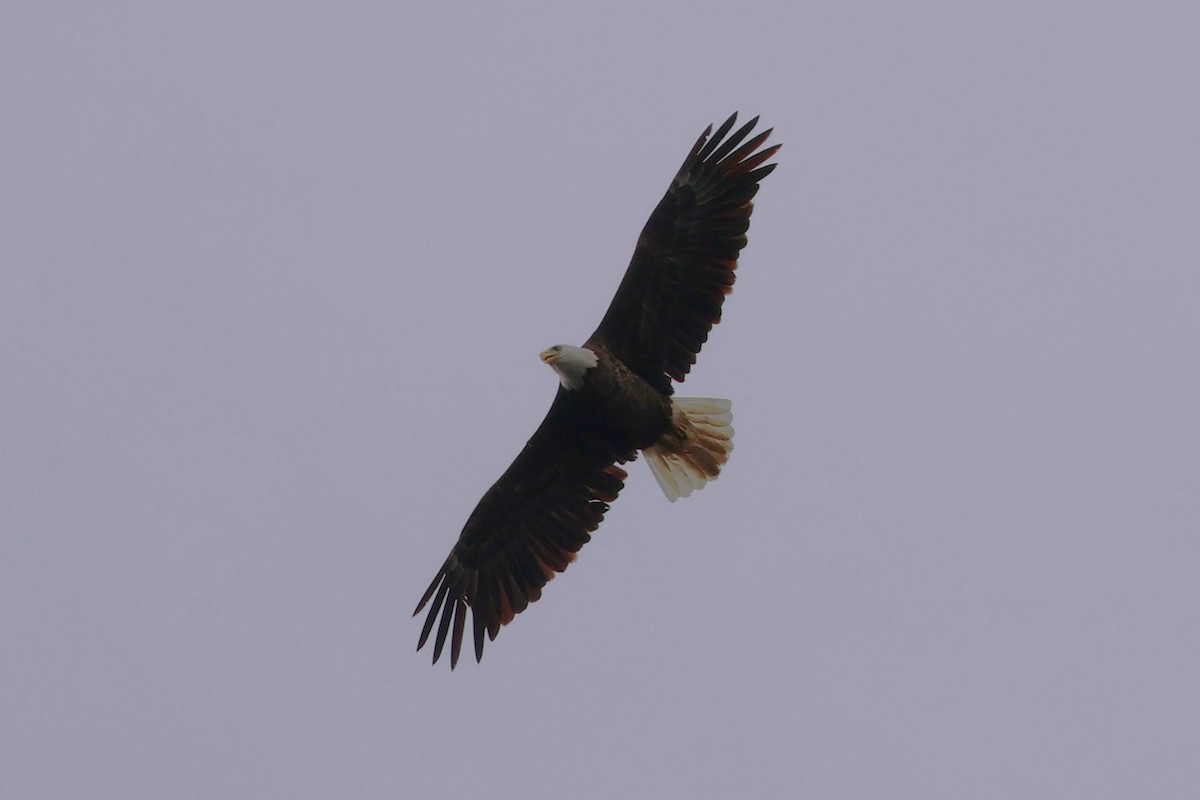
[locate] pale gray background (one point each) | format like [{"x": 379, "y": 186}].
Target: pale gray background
[{"x": 274, "y": 281}]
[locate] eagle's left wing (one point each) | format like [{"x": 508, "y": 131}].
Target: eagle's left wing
[{"x": 685, "y": 258}]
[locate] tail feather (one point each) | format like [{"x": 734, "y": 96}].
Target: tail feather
[{"x": 686, "y": 458}]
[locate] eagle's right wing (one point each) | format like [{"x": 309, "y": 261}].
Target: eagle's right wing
[{"x": 526, "y": 528}]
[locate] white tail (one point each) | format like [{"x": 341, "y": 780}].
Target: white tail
[{"x": 686, "y": 458}]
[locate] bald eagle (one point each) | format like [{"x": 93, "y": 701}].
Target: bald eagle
[{"x": 614, "y": 399}]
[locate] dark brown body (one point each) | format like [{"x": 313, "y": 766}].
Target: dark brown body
[{"x": 620, "y": 405}]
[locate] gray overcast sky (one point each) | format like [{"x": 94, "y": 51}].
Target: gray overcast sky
[{"x": 274, "y": 281}]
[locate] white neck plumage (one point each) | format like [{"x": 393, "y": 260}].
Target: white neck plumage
[{"x": 570, "y": 363}]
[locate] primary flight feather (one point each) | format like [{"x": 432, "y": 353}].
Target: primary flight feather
[{"x": 614, "y": 399}]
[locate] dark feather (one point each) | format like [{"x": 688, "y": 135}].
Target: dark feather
[
  {"x": 685, "y": 259},
  {"x": 540, "y": 512}
]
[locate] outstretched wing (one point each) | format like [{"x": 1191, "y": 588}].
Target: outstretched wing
[
  {"x": 527, "y": 527},
  {"x": 685, "y": 259}
]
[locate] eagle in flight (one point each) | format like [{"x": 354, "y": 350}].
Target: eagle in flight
[{"x": 614, "y": 398}]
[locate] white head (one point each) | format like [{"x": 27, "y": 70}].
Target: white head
[{"x": 570, "y": 363}]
